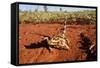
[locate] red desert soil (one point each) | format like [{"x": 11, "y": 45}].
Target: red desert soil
[{"x": 29, "y": 33}]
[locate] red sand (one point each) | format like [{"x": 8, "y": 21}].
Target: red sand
[{"x": 27, "y": 36}]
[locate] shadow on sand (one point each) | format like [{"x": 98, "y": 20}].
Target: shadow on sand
[{"x": 42, "y": 44}]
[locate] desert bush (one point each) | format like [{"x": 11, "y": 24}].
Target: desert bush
[{"x": 80, "y": 17}]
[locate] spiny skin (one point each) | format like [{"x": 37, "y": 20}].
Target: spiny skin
[{"x": 58, "y": 42}]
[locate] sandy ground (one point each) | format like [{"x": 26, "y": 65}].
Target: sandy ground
[{"x": 29, "y": 33}]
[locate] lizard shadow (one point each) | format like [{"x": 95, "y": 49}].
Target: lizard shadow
[{"x": 42, "y": 44}]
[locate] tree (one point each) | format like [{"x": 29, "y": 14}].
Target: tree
[
  {"x": 45, "y": 8},
  {"x": 36, "y": 10},
  {"x": 60, "y": 9}
]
